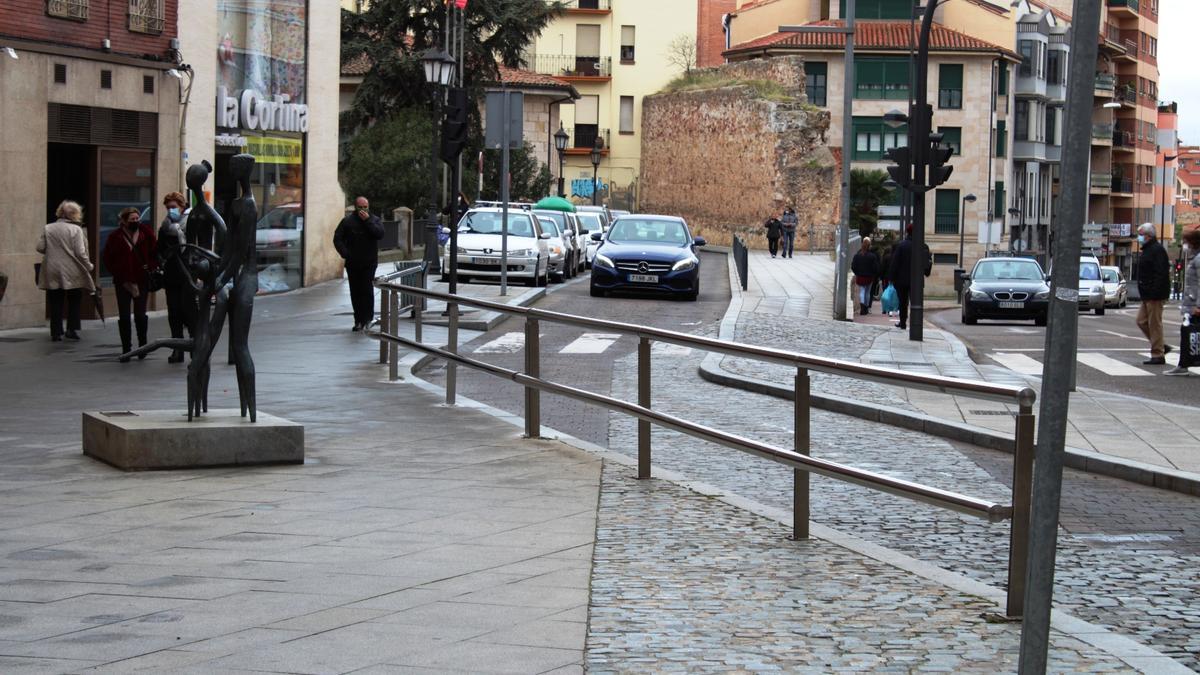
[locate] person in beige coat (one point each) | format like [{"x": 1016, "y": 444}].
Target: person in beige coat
[{"x": 66, "y": 268}]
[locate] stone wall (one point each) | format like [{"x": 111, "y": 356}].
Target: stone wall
[{"x": 728, "y": 157}]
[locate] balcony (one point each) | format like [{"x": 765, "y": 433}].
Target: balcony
[
  {"x": 1101, "y": 183},
  {"x": 1123, "y": 141},
  {"x": 1127, "y": 94},
  {"x": 572, "y": 67},
  {"x": 1102, "y": 134},
  {"x": 1105, "y": 86},
  {"x": 1122, "y": 186},
  {"x": 1123, "y": 8},
  {"x": 587, "y": 6},
  {"x": 581, "y": 138}
]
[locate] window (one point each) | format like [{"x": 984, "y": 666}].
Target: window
[
  {"x": 1028, "y": 52},
  {"x": 950, "y": 85},
  {"x": 146, "y": 16},
  {"x": 952, "y": 138},
  {"x": 815, "y": 80},
  {"x": 1001, "y": 138},
  {"x": 68, "y": 9},
  {"x": 106, "y": 79},
  {"x": 1052, "y": 126},
  {"x": 879, "y": 9},
  {"x": 1055, "y": 62},
  {"x": 587, "y": 124},
  {"x": 1021, "y": 129},
  {"x": 872, "y": 138},
  {"x": 945, "y": 219},
  {"x": 1002, "y": 86},
  {"x": 60, "y": 73},
  {"x": 881, "y": 78},
  {"x": 627, "y": 114},
  {"x": 945, "y": 259},
  {"x": 147, "y": 84},
  {"x": 627, "y": 43},
  {"x": 998, "y": 209}
]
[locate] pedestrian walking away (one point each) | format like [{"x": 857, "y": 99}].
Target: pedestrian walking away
[
  {"x": 1154, "y": 287},
  {"x": 181, "y": 298},
  {"x": 774, "y": 229},
  {"x": 357, "y": 241},
  {"x": 790, "y": 221},
  {"x": 129, "y": 255},
  {"x": 66, "y": 270},
  {"x": 865, "y": 267},
  {"x": 1189, "y": 306},
  {"x": 900, "y": 274}
]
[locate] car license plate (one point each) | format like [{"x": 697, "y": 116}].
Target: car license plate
[
  {"x": 486, "y": 261},
  {"x": 643, "y": 278},
  {"x": 1012, "y": 305}
]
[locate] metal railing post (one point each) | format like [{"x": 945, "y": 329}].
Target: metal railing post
[
  {"x": 1022, "y": 503},
  {"x": 644, "y": 401},
  {"x": 418, "y": 318},
  {"x": 393, "y": 325},
  {"x": 801, "y": 444},
  {"x": 533, "y": 397},
  {"x": 383, "y": 319},
  {"x": 452, "y": 347}
]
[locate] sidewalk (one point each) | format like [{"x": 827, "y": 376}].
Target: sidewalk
[
  {"x": 421, "y": 538},
  {"x": 1137, "y": 431}
]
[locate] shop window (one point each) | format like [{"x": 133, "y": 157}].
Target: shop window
[
  {"x": 628, "y": 33},
  {"x": 950, "y": 85},
  {"x": 1001, "y": 138},
  {"x": 816, "y": 73},
  {"x": 945, "y": 219},
  {"x": 952, "y": 138},
  {"x": 146, "y": 16},
  {"x": 872, "y": 138},
  {"x": 627, "y": 114},
  {"x": 881, "y": 78},
  {"x": 68, "y": 9}
]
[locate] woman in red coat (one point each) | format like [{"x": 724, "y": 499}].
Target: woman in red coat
[{"x": 129, "y": 257}]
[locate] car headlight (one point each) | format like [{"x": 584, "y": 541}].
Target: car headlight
[
  {"x": 1096, "y": 290},
  {"x": 556, "y": 250},
  {"x": 521, "y": 253},
  {"x": 978, "y": 295},
  {"x": 1042, "y": 295},
  {"x": 604, "y": 261},
  {"x": 685, "y": 264}
]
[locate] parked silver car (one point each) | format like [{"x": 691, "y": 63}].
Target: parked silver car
[
  {"x": 1116, "y": 290},
  {"x": 559, "y": 247},
  {"x": 480, "y": 242}
]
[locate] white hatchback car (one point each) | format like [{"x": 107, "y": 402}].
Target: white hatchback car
[
  {"x": 480, "y": 242},
  {"x": 592, "y": 222}
]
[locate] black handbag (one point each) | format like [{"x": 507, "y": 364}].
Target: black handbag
[
  {"x": 154, "y": 277},
  {"x": 1189, "y": 344}
]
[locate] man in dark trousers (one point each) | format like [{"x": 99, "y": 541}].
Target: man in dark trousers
[
  {"x": 900, "y": 273},
  {"x": 1154, "y": 285},
  {"x": 357, "y": 241}
]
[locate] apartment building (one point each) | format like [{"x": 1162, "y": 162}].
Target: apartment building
[
  {"x": 614, "y": 52},
  {"x": 969, "y": 89}
]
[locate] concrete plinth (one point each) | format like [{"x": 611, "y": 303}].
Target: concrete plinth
[{"x": 158, "y": 439}]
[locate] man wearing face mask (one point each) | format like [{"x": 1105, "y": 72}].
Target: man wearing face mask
[
  {"x": 181, "y": 301},
  {"x": 1154, "y": 286},
  {"x": 357, "y": 241}
]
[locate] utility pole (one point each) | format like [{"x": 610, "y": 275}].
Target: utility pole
[{"x": 1061, "y": 339}]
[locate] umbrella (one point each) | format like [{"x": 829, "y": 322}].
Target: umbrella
[
  {"x": 98, "y": 303},
  {"x": 555, "y": 204}
]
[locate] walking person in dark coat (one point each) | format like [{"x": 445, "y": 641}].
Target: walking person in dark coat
[
  {"x": 865, "y": 267},
  {"x": 1154, "y": 286},
  {"x": 900, "y": 272},
  {"x": 357, "y": 241},
  {"x": 790, "y": 221},
  {"x": 181, "y": 298},
  {"x": 774, "y": 231},
  {"x": 129, "y": 255}
]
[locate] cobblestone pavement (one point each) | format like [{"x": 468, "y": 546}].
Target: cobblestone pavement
[
  {"x": 727, "y": 591},
  {"x": 1142, "y": 583}
]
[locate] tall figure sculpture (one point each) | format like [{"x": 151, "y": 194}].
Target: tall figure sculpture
[
  {"x": 205, "y": 228},
  {"x": 235, "y": 284}
]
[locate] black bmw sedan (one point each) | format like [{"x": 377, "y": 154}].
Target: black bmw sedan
[
  {"x": 647, "y": 253},
  {"x": 1006, "y": 288}
]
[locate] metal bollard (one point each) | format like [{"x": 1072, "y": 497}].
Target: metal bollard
[
  {"x": 801, "y": 443},
  {"x": 393, "y": 326},
  {"x": 644, "y": 401},
  {"x": 417, "y": 319},
  {"x": 452, "y": 347},
  {"x": 533, "y": 397},
  {"x": 383, "y": 318},
  {"x": 1022, "y": 496}
]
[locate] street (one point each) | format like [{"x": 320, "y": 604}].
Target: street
[{"x": 1110, "y": 355}]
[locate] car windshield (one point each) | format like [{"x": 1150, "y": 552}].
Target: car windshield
[
  {"x": 996, "y": 270},
  {"x": 1110, "y": 276},
  {"x": 640, "y": 231},
  {"x": 590, "y": 221},
  {"x": 548, "y": 225},
  {"x": 1089, "y": 271},
  {"x": 559, "y": 218},
  {"x": 489, "y": 222}
]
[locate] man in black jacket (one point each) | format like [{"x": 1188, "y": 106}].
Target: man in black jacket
[
  {"x": 1154, "y": 286},
  {"x": 357, "y": 241},
  {"x": 900, "y": 272}
]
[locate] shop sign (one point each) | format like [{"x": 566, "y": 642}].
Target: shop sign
[
  {"x": 231, "y": 141},
  {"x": 268, "y": 150},
  {"x": 248, "y": 109}
]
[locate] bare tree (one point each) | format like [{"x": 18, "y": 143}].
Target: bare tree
[{"x": 681, "y": 53}]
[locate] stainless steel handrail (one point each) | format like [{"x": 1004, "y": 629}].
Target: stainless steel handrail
[{"x": 878, "y": 374}]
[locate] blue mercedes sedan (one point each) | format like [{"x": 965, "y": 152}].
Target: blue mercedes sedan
[{"x": 647, "y": 253}]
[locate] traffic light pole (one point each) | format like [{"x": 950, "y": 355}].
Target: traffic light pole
[
  {"x": 841, "y": 284},
  {"x": 919, "y": 123}
]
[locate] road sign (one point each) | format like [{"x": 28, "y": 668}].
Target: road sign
[{"x": 494, "y": 133}]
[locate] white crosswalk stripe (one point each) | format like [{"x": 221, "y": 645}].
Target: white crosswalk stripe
[
  {"x": 1018, "y": 362},
  {"x": 1111, "y": 366},
  {"x": 591, "y": 343},
  {"x": 509, "y": 343},
  {"x": 668, "y": 349}
]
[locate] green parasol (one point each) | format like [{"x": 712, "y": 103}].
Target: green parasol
[{"x": 555, "y": 204}]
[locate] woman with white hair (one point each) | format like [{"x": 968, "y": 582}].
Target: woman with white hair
[{"x": 66, "y": 268}]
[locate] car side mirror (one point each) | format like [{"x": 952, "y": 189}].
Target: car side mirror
[
  {"x": 1047, "y": 277},
  {"x": 699, "y": 241},
  {"x": 544, "y": 235},
  {"x": 596, "y": 236}
]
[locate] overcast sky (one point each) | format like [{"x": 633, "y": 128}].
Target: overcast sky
[{"x": 1178, "y": 47}]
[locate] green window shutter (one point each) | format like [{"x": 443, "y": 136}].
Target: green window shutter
[
  {"x": 1001, "y": 138},
  {"x": 895, "y": 78},
  {"x": 950, "y": 85},
  {"x": 946, "y": 212},
  {"x": 1002, "y": 86},
  {"x": 998, "y": 210},
  {"x": 868, "y": 78},
  {"x": 952, "y": 137}
]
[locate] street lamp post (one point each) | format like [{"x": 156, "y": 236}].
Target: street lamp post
[
  {"x": 439, "y": 70},
  {"x": 560, "y": 144},
  {"x": 595, "y": 157},
  {"x": 962, "y": 219}
]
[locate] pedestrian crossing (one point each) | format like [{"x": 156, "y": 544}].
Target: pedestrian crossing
[
  {"x": 587, "y": 343},
  {"x": 1025, "y": 364}
]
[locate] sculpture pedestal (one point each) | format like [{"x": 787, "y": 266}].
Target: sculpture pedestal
[{"x": 159, "y": 439}]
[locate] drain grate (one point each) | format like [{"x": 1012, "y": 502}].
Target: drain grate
[{"x": 990, "y": 412}]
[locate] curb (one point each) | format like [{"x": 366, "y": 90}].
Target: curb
[
  {"x": 1133, "y": 471},
  {"x": 487, "y": 320}
]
